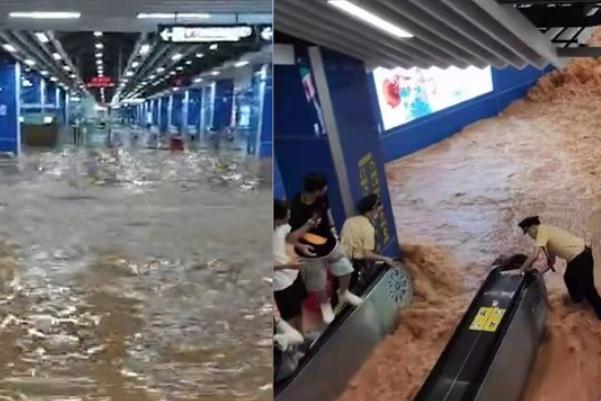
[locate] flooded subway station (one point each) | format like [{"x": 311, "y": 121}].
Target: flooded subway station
[
  {"x": 135, "y": 192},
  {"x": 481, "y": 114}
]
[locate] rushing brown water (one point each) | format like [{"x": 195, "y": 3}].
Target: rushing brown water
[
  {"x": 461, "y": 199},
  {"x": 134, "y": 275}
]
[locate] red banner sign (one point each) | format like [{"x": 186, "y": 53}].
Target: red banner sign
[{"x": 101, "y": 82}]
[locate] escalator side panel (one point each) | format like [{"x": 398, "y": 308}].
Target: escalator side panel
[
  {"x": 459, "y": 370},
  {"x": 509, "y": 372},
  {"x": 344, "y": 351}
]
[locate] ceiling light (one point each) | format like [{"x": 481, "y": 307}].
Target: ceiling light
[
  {"x": 56, "y": 56},
  {"x": 135, "y": 64},
  {"x": 97, "y": 34},
  {"x": 44, "y": 73},
  {"x": 129, "y": 74},
  {"x": 152, "y": 76},
  {"x": 67, "y": 68},
  {"x": 370, "y": 18},
  {"x": 42, "y": 37},
  {"x": 198, "y": 80},
  {"x": 99, "y": 62},
  {"x": 160, "y": 70},
  {"x": 177, "y": 57},
  {"x": 189, "y": 62},
  {"x": 200, "y": 55},
  {"x": 99, "y": 46},
  {"x": 30, "y": 62},
  {"x": 215, "y": 73},
  {"x": 54, "y": 79},
  {"x": 179, "y": 68},
  {"x": 98, "y": 55},
  {"x": 173, "y": 15},
  {"x": 10, "y": 48},
  {"x": 214, "y": 46},
  {"x": 172, "y": 73},
  {"x": 144, "y": 49},
  {"x": 241, "y": 63},
  {"x": 45, "y": 15},
  {"x": 73, "y": 76}
]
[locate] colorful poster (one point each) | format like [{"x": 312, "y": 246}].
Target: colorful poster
[{"x": 405, "y": 95}]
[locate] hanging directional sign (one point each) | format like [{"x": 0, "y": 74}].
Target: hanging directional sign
[
  {"x": 204, "y": 33},
  {"x": 101, "y": 82}
]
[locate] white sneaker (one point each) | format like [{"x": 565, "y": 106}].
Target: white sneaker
[
  {"x": 327, "y": 314},
  {"x": 350, "y": 298}
]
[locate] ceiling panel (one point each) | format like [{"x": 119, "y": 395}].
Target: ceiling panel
[{"x": 445, "y": 32}]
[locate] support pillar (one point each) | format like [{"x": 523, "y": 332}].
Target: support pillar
[
  {"x": 222, "y": 110},
  {"x": 10, "y": 99},
  {"x": 325, "y": 123}
]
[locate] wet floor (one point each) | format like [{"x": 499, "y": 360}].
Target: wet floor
[
  {"x": 457, "y": 205},
  {"x": 134, "y": 274}
]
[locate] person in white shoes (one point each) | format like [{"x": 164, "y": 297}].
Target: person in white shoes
[
  {"x": 288, "y": 286},
  {"x": 312, "y": 203}
]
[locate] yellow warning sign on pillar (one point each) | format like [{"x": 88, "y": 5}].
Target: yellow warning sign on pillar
[{"x": 487, "y": 319}]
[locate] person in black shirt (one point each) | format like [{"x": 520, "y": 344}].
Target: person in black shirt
[{"x": 327, "y": 254}]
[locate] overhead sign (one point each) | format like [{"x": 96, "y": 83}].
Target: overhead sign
[
  {"x": 101, "y": 82},
  {"x": 204, "y": 33}
]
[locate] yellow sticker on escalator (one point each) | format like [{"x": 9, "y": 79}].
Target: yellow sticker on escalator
[{"x": 487, "y": 319}]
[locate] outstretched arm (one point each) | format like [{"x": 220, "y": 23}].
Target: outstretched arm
[
  {"x": 531, "y": 259},
  {"x": 294, "y": 236}
]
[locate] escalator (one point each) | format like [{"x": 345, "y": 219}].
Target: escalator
[
  {"x": 358, "y": 329},
  {"x": 490, "y": 355},
  {"x": 488, "y": 358}
]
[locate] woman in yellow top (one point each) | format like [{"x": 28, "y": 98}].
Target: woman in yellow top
[
  {"x": 358, "y": 236},
  {"x": 553, "y": 241}
]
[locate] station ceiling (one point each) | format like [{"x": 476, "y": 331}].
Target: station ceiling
[
  {"x": 110, "y": 39},
  {"x": 447, "y": 33}
]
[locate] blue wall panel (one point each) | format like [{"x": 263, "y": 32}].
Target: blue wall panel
[
  {"x": 177, "y": 111},
  {"x": 510, "y": 84},
  {"x": 50, "y": 96},
  {"x": 10, "y": 86},
  {"x": 164, "y": 115},
  {"x": 222, "y": 112},
  {"x": 297, "y": 150},
  {"x": 194, "y": 107},
  {"x": 358, "y": 133},
  {"x": 267, "y": 120},
  {"x": 31, "y": 88}
]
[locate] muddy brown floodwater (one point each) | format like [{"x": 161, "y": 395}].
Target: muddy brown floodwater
[
  {"x": 134, "y": 275},
  {"x": 457, "y": 204}
]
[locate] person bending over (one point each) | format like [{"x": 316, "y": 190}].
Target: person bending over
[
  {"x": 312, "y": 203},
  {"x": 358, "y": 236},
  {"x": 288, "y": 287},
  {"x": 555, "y": 242}
]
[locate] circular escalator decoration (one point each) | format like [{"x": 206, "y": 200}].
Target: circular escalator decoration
[{"x": 399, "y": 286}]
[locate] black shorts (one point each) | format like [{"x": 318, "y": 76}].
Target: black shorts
[{"x": 290, "y": 300}]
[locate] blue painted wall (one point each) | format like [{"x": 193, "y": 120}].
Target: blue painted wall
[
  {"x": 164, "y": 115},
  {"x": 177, "y": 111},
  {"x": 222, "y": 112},
  {"x": 267, "y": 119},
  {"x": 509, "y": 84},
  {"x": 10, "y": 88},
  {"x": 194, "y": 107},
  {"x": 31, "y": 95},
  {"x": 298, "y": 151}
]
